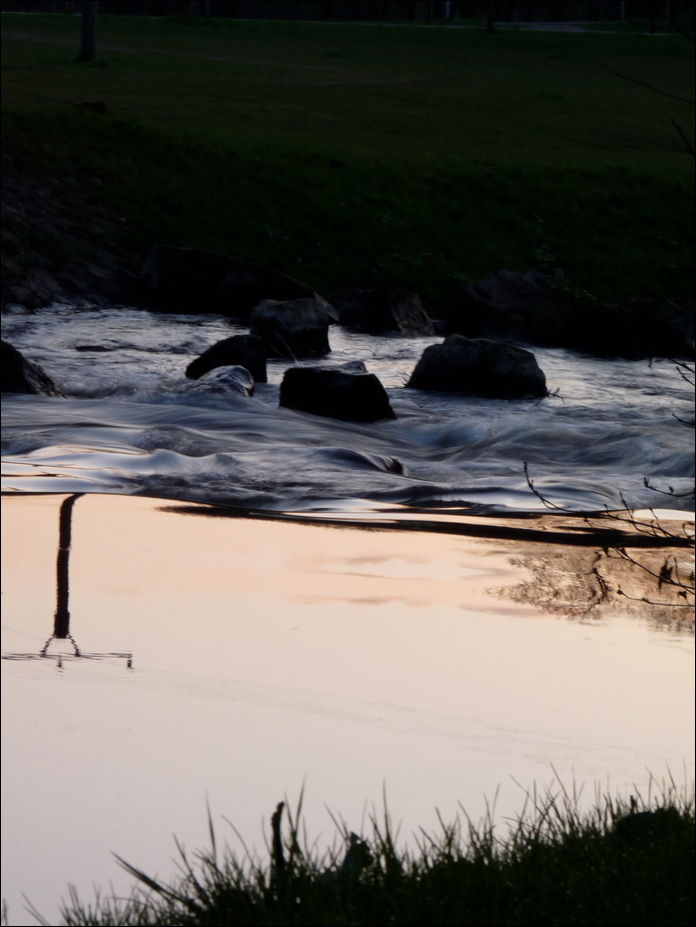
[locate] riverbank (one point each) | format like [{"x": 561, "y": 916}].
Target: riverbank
[
  {"x": 344, "y": 155},
  {"x": 625, "y": 862}
]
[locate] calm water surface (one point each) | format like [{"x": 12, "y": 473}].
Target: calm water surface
[{"x": 267, "y": 654}]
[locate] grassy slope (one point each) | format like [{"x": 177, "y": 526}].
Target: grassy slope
[{"x": 352, "y": 155}]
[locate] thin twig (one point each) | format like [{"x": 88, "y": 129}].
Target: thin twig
[
  {"x": 634, "y": 598},
  {"x": 654, "y": 529},
  {"x": 642, "y": 83},
  {"x": 688, "y": 147},
  {"x": 549, "y": 505},
  {"x": 669, "y": 491},
  {"x": 670, "y": 19}
]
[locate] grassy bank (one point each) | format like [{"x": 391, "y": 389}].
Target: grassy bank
[
  {"x": 620, "y": 864},
  {"x": 352, "y": 155}
]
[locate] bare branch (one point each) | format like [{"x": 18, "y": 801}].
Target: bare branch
[
  {"x": 670, "y": 19},
  {"x": 668, "y": 576},
  {"x": 669, "y": 491},
  {"x": 642, "y": 83},
  {"x": 688, "y": 147},
  {"x": 683, "y": 375},
  {"x": 546, "y": 502},
  {"x": 647, "y": 601}
]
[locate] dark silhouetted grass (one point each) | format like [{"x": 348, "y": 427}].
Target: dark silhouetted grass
[
  {"x": 358, "y": 155},
  {"x": 622, "y": 863}
]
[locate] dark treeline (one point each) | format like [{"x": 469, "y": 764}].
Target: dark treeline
[{"x": 391, "y": 10}]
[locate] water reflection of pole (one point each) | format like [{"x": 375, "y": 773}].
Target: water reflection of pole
[
  {"x": 61, "y": 619},
  {"x": 61, "y": 624}
]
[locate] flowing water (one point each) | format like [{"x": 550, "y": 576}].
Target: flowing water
[
  {"x": 358, "y": 644},
  {"x": 132, "y": 423}
]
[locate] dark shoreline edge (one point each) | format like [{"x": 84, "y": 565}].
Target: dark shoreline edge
[{"x": 581, "y": 535}]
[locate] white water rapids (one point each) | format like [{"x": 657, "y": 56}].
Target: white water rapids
[{"x": 132, "y": 423}]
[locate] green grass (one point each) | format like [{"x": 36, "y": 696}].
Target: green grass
[
  {"x": 622, "y": 863},
  {"x": 358, "y": 155}
]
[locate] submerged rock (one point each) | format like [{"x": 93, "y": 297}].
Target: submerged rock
[
  {"x": 200, "y": 280},
  {"x": 20, "y": 375},
  {"x": 479, "y": 367},
  {"x": 221, "y": 382},
  {"x": 292, "y": 329},
  {"x": 386, "y": 309},
  {"x": 239, "y": 350},
  {"x": 335, "y": 393}
]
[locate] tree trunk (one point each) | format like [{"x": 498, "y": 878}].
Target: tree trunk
[{"x": 88, "y": 43}]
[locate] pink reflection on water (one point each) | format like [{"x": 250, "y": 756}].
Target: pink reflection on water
[{"x": 267, "y": 652}]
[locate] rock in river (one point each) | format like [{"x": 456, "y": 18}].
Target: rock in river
[
  {"x": 223, "y": 382},
  {"x": 20, "y": 375},
  {"x": 511, "y": 306},
  {"x": 292, "y": 329},
  {"x": 478, "y": 367},
  {"x": 243, "y": 350},
  {"x": 335, "y": 393},
  {"x": 526, "y": 308},
  {"x": 386, "y": 309}
]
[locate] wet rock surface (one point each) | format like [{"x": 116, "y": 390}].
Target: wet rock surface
[
  {"x": 386, "y": 309},
  {"x": 479, "y": 367},
  {"x": 347, "y": 395},
  {"x": 20, "y": 375},
  {"x": 243, "y": 350},
  {"x": 293, "y": 329}
]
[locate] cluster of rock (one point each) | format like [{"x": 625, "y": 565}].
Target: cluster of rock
[
  {"x": 480, "y": 355},
  {"x": 288, "y": 319},
  {"x": 527, "y": 309}
]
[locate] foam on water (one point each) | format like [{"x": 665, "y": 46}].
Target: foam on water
[{"x": 132, "y": 423}]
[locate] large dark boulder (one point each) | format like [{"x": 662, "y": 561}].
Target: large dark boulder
[
  {"x": 246, "y": 285},
  {"x": 510, "y": 307},
  {"x": 20, "y": 375},
  {"x": 335, "y": 393},
  {"x": 633, "y": 330},
  {"x": 479, "y": 367},
  {"x": 199, "y": 280},
  {"x": 243, "y": 350},
  {"x": 386, "y": 309},
  {"x": 182, "y": 279},
  {"x": 297, "y": 328},
  {"x": 526, "y": 309}
]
